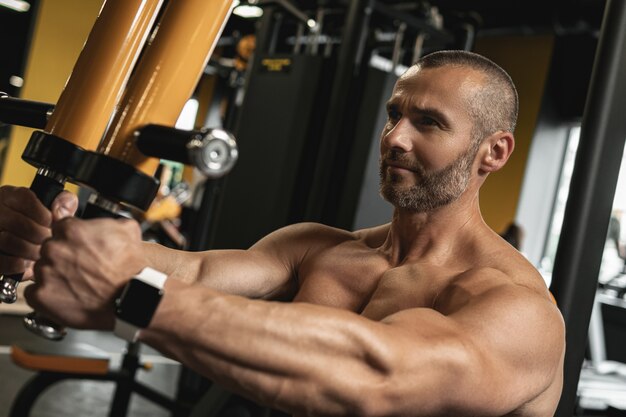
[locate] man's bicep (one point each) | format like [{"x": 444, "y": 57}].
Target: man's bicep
[
  {"x": 254, "y": 273},
  {"x": 504, "y": 346},
  {"x": 269, "y": 268},
  {"x": 518, "y": 336}
]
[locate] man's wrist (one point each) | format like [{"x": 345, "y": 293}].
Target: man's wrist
[{"x": 138, "y": 302}]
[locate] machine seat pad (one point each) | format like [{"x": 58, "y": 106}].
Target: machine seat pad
[{"x": 79, "y": 358}]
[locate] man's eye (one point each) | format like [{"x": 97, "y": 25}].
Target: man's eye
[
  {"x": 393, "y": 114},
  {"x": 428, "y": 121}
]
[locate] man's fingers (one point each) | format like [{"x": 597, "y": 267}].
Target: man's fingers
[
  {"x": 23, "y": 200},
  {"x": 14, "y": 246},
  {"x": 65, "y": 205},
  {"x": 11, "y": 265},
  {"x": 24, "y": 227},
  {"x": 54, "y": 252},
  {"x": 28, "y": 271},
  {"x": 32, "y": 296}
]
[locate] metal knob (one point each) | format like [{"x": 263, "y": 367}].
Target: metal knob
[
  {"x": 214, "y": 153},
  {"x": 8, "y": 288},
  {"x": 43, "y": 327}
]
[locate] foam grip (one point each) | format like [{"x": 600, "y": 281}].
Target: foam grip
[{"x": 46, "y": 189}]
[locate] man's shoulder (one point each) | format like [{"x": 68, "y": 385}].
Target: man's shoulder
[
  {"x": 305, "y": 238},
  {"x": 494, "y": 283},
  {"x": 492, "y": 262},
  {"x": 324, "y": 235},
  {"x": 316, "y": 232}
]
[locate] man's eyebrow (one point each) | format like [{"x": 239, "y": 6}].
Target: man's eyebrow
[
  {"x": 422, "y": 111},
  {"x": 431, "y": 112}
]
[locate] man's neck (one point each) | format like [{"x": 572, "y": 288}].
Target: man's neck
[{"x": 432, "y": 236}]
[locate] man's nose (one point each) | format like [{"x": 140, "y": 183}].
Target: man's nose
[{"x": 399, "y": 137}]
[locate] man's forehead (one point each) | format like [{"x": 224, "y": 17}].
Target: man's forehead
[
  {"x": 459, "y": 72},
  {"x": 444, "y": 80}
]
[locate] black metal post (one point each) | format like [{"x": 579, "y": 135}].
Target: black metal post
[
  {"x": 592, "y": 190},
  {"x": 348, "y": 62},
  {"x": 124, "y": 386}
]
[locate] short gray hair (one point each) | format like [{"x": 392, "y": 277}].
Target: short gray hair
[{"x": 494, "y": 107}]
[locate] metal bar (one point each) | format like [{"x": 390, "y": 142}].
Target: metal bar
[
  {"x": 348, "y": 63},
  {"x": 27, "y": 113},
  {"x": 101, "y": 71},
  {"x": 212, "y": 151},
  {"x": 397, "y": 47},
  {"x": 166, "y": 76},
  {"x": 418, "y": 47},
  {"x": 273, "y": 41},
  {"x": 440, "y": 35},
  {"x": 291, "y": 8},
  {"x": 298, "y": 40},
  {"x": 318, "y": 31},
  {"x": 592, "y": 190},
  {"x": 597, "y": 346}
]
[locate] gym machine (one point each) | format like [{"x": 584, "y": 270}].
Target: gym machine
[
  {"x": 121, "y": 171},
  {"x": 119, "y": 168},
  {"x": 304, "y": 110},
  {"x": 592, "y": 189}
]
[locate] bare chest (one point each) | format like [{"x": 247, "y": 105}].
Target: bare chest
[{"x": 369, "y": 286}]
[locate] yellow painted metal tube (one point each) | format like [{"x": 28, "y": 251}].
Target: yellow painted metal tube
[
  {"x": 166, "y": 76},
  {"x": 101, "y": 71}
]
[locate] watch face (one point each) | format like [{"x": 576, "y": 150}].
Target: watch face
[{"x": 138, "y": 303}]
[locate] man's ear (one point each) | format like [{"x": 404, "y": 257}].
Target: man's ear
[{"x": 496, "y": 151}]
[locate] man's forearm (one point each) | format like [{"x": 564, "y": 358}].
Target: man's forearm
[
  {"x": 301, "y": 358},
  {"x": 181, "y": 265},
  {"x": 284, "y": 357}
]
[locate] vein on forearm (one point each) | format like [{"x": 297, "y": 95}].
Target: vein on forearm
[{"x": 273, "y": 352}]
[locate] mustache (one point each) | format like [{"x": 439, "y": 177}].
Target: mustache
[{"x": 395, "y": 158}]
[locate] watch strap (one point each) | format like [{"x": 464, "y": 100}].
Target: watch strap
[
  {"x": 152, "y": 277},
  {"x": 126, "y": 330}
]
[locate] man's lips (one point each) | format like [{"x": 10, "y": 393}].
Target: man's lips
[{"x": 398, "y": 166}]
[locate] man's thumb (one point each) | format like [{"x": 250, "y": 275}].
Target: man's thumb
[{"x": 65, "y": 205}]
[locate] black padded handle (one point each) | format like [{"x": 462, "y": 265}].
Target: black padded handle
[
  {"x": 46, "y": 189},
  {"x": 165, "y": 142},
  {"x": 93, "y": 211},
  {"x": 15, "y": 111}
]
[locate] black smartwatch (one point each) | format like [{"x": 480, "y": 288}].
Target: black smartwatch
[{"x": 139, "y": 300}]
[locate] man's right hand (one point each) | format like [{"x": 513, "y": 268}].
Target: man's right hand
[{"x": 25, "y": 224}]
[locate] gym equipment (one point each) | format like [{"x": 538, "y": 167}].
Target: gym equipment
[
  {"x": 118, "y": 172},
  {"x": 82, "y": 113},
  {"x": 80, "y": 361},
  {"x": 121, "y": 174},
  {"x": 592, "y": 189},
  {"x": 24, "y": 112},
  {"x": 212, "y": 151}
]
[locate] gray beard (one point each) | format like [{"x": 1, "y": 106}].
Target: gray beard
[{"x": 434, "y": 189}]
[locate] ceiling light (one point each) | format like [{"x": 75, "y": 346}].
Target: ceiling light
[
  {"x": 17, "y": 5},
  {"x": 247, "y": 11}
]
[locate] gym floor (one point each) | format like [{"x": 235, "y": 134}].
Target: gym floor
[{"x": 76, "y": 397}]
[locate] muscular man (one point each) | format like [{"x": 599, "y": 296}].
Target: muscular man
[{"x": 432, "y": 314}]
